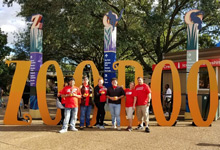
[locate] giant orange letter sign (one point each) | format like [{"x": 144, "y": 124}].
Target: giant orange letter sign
[
  {"x": 17, "y": 88},
  {"x": 156, "y": 94},
  {"x": 78, "y": 78},
  {"x": 192, "y": 94},
  {"x": 120, "y": 66},
  {"x": 41, "y": 92}
]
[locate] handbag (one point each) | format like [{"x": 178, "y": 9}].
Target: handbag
[{"x": 59, "y": 105}]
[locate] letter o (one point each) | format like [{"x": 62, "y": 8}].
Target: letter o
[
  {"x": 78, "y": 78},
  {"x": 192, "y": 94},
  {"x": 156, "y": 93}
]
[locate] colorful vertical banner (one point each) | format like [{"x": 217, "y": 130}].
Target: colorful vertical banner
[
  {"x": 36, "y": 48},
  {"x": 109, "y": 54},
  {"x": 193, "y": 20},
  {"x": 110, "y": 21}
]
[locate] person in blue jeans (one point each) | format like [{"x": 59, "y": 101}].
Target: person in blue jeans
[
  {"x": 86, "y": 103},
  {"x": 70, "y": 95},
  {"x": 114, "y": 94},
  {"x": 85, "y": 115}
]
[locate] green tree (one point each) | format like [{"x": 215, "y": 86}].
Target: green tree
[
  {"x": 5, "y": 71},
  {"x": 149, "y": 29},
  {"x": 4, "y": 50}
]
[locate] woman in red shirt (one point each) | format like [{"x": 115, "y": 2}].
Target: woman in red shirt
[
  {"x": 131, "y": 98},
  {"x": 86, "y": 103}
]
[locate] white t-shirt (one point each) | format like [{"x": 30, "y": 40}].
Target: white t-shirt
[{"x": 168, "y": 93}]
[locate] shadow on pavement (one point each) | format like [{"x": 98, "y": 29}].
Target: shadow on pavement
[
  {"x": 208, "y": 144},
  {"x": 29, "y": 128}
]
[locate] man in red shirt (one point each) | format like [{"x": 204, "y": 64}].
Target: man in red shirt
[
  {"x": 143, "y": 92},
  {"x": 71, "y": 94}
]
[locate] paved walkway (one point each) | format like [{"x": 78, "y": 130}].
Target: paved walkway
[{"x": 39, "y": 136}]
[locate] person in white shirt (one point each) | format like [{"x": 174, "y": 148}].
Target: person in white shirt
[{"x": 167, "y": 98}]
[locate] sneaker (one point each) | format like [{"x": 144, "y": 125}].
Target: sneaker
[
  {"x": 97, "y": 126},
  {"x": 113, "y": 127},
  {"x": 118, "y": 128},
  {"x": 73, "y": 129},
  {"x": 129, "y": 129},
  {"x": 147, "y": 130},
  {"x": 102, "y": 127},
  {"x": 89, "y": 126},
  {"x": 81, "y": 128},
  {"x": 63, "y": 131},
  {"x": 140, "y": 128}
]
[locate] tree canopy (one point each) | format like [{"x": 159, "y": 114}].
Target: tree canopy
[
  {"x": 4, "y": 69},
  {"x": 73, "y": 29}
]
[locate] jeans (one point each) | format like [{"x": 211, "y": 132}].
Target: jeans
[
  {"x": 63, "y": 114},
  {"x": 85, "y": 113},
  {"x": 73, "y": 112},
  {"x": 101, "y": 113},
  {"x": 115, "y": 110}
]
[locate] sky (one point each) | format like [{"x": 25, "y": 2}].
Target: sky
[{"x": 9, "y": 22}]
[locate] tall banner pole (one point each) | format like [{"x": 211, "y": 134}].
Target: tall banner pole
[
  {"x": 36, "y": 48},
  {"x": 110, "y": 21},
  {"x": 193, "y": 20},
  {"x": 109, "y": 50},
  {"x": 109, "y": 54}
]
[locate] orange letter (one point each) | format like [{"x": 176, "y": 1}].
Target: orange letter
[
  {"x": 121, "y": 81},
  {"x": 17, "y": 88},
  {"x": 78, "y": 78},
  {"x": 156, "y": 93},
  {"x": 41, "y": 92},
  {"x": 192, "y": 94}
]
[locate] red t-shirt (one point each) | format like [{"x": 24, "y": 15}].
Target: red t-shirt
[
  {"x": 71, "y": 101},
  {"x": 142, "y": 94},
  {"x": 103, "y": 92},
  {"x": 87, "y": 97},
  {"x": 130, "y": 94},
  {"x": 62, "y": 99}
]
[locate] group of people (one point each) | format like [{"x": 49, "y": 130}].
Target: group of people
[{"x": 138, "y": 97}]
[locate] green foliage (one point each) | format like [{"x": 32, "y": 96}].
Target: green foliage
[
  {"x": 4, "y": 50},
  {"x": 206, "y": 41},
  {"x": 5, "y": 71},
  {"x": 73, "y": 29},
  {"x": 48, "y": 90}
]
